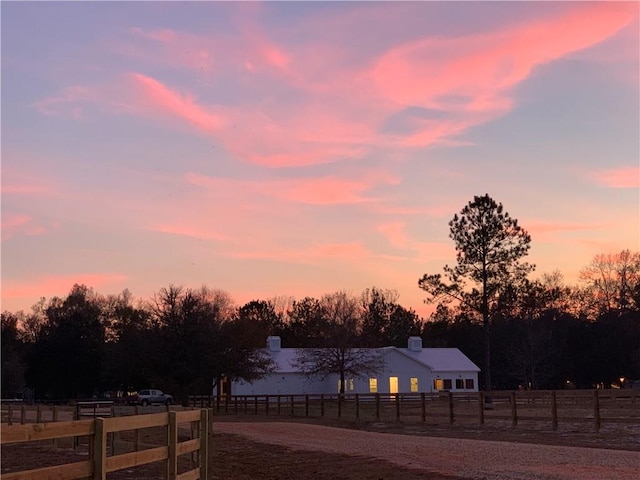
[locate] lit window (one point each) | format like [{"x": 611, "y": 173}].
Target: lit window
[
  {"x": 437, "y": 384},
  {"x": 447, "y": 383},
  {"x": 468, "y": 384},
  {"x": 414, "y": 384},
  {"x": 351, "y": 385},
  {"x": 373, "y": 385},
  {"x": 459, "y": 384}
]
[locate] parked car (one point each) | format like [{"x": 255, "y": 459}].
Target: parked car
[{"x": 150, "y": 396}]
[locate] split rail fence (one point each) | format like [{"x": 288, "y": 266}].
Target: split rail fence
[
  {"x": 541, "y": 408},
  {"x": 100, "y": 436}
]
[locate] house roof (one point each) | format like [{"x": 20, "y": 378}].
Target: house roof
[
  {"x": 442, "y": 359},
  {"x": 437, "y": 359}
]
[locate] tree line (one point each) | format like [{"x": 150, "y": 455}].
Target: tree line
[{"x": 539, "y": 334}]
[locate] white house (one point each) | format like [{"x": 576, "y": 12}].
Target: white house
[{"x": 412, "y": 369}]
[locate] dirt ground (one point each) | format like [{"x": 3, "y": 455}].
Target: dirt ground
[{"x": 234, "y": 457}]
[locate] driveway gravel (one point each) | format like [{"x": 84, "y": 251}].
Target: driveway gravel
[{"x": 473, "y": 459}]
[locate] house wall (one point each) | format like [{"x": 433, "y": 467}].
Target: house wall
[
  {"x": 285, "y": 384},
  {"x": 453, "y": 376},
  {"x": 397, "y": 365}
]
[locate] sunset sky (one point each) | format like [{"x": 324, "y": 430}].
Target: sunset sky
[{"x": 303, "y": 148}]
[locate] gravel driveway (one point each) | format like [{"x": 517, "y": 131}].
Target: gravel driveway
[{"x": 474, "y": 459}]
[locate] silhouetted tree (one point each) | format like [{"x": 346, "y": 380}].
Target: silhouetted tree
[
  {"x": 67, "y": 361},
  {"x": 257, "y": 320},
  {"x": 489, "y": 248},
  {"x": 612, "y": 283},
  {"x": 131, "y": 343},
  {"x": 13, "y": 356},
  {"x": 306, "y": 319},
  {"x": 196, "y": 347},
  {"x": 338, "y": 352}
]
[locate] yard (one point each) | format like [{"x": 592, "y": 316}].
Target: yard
[{"x": 270, "y": 448}]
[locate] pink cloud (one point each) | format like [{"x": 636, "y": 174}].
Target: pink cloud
[
  {"x": 622, "y": 177},
  {"x": 395, "y": 234},
  {"x": 430, "y": 251},
  {"x": 480, "y": 69},
  {"x": 544, "y": 228},
  {"x": 352, "y": 252},
  {"x": 18, "y": 181},
  {"x": 167, "y": 46},
  {"x": 344, "y": 94},
  {"x": 159, "y": 96},
  {"x": 185, "y": 230},
  {"x": 16, "y": 225},
  {"x": 59, "y": 285},
  {"x": 68, "y": 103},
  {"x": 314, "y": 191}
]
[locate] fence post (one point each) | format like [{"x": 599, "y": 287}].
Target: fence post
[
  {"x": 279, "y": 404},
  {"x": 397, "y": 407},
  {"x": 339, "y": 405},
  {"x": 306, "y": 405},
  {"x": 266, "y": 407},
  {"x": 423, "y": 406},
  {"x": 554, "y": 411},
  {"x": 172, "y": 461},
  {"x": 451, "y": 416},
  {"x": 204, "y": 444},
  {"x": 235, "y": 404},
  {"x": 99, "y": 450},
  {"x": 54, "y": 418},
  {"x": 292, "y": 411},
  {"x": 596, "y": 410},
  {"x": 357, "y": 406},
  {"x": 514, "y": 412},
  {"x": 136, "y": 435},
  {"x": 38, "y": 414},
  {"x": 377, "y": 406},
  {"x": 322, "y": 405},
  {"x": 481, "y": 407},
  {"x": 76, "y": 416},
  {"x": 23, "y": 415},
  {"x": 10, "y": 415}
]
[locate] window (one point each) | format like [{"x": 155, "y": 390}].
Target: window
[
  {"x": 414, "y": 384},
  {"x": 437, "y": 384},
  {"x": 393, "y": 384},
  {"x": 468, "y": 384},
  {"x": 459, "y": 384},
  {"x": 373, "y": 385},
  {"x": 351, "y": 385},
  {"x": 447, "y": 383}
]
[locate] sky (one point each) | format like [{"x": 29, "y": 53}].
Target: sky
[{"x": 301, "y": 148}]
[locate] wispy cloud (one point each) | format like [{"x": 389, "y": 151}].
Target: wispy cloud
[
  {"x": 545, "y": 228},
  {"x": 60, "y": 285},
  {"x": 314, "y": 191},
  {"x": 170, "y": 102},
  {"x": 621, "y": 177},
  {"x": 186, "y": 230},
  {"x": 395, "y": 234},
  {"x": 338, "y": 110},
  {"x": 16, "y": 225}
]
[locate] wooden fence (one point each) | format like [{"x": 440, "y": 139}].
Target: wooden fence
[
  {"x": 551, "y": 408},
  {"x": 100, "y": 462}
]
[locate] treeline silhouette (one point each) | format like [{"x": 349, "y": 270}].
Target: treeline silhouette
[{"x": 545, "y": 335}]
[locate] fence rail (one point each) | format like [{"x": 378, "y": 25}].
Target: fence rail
[
  {"x": 100, "y": 461},
  {"x": 551, "y": 407}
]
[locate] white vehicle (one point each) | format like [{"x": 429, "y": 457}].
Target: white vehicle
[{"x": 148, "y": 397}]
